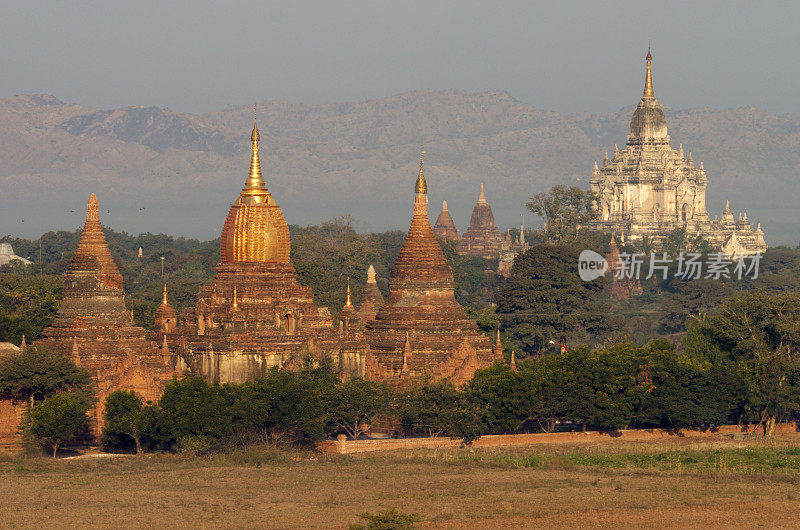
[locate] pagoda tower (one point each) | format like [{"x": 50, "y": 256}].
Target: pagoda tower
[
  {"x": 421, "y": 326},
  {"x": 445, "y": 227},
  {"x": 650, "y": 189},
  {"x": 255, "y": 314},
  {"x": 371, "y": 299},
  {"x": 95, "y": 329},
  {"x": 482, "y": 239}
]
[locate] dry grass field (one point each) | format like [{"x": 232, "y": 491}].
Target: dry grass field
[{"x": 675, "y": 483}]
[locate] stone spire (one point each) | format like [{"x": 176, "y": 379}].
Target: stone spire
[
  {"x": 481, "y": 197},
  {"x": 406, "y": 354},
  {"x": 420, "y": 260},
  {"x": 165, "y": 317},
  {"x": 445, "y": 227},
  {"x": 92, "y": 256},
  {"x": 497, "y": 347},
  {"x": 513, "y": 362},
  {"x": 371, "y": 299},
  {"x": 521, "y": 229}
]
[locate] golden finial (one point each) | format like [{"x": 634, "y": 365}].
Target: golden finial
[
  {"x": 421, "y": 186},
  {"x": 235, "y": 301},
  {"x": 164, "y": 300},
  {"x": 347, "y": 302},
  {"x": 648, "y": 82},
  {"x": 255, "y": 180}
]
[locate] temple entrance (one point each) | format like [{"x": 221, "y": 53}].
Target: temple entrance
[
  {"x": 684, "y": 212},
  {"x": 289, "y": 323}
]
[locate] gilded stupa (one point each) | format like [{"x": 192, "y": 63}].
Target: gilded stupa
[
  {"x": 421, "y": 330},
  {"x": 649, "y": 189},
  {"x": 255, "y": 314}
]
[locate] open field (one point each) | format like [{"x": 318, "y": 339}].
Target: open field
[{"x": 666, "y": 483}]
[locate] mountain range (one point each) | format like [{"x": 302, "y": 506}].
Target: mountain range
[{"x": 158, "y": 170}]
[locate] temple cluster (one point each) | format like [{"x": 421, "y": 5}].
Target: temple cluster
[
  {"x": 255, "y": 315},
  {"x": 482, "y": 239}
]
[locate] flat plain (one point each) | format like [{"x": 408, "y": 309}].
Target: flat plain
[{"x": 678, "y": 482}]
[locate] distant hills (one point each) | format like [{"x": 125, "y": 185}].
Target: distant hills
[{"x": 162, "y": 171}]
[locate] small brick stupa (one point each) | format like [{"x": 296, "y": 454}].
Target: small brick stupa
[
  {"x": 96, "y": 330},
  {"x": 371, "y": 299},
  {"x": 255, "y": 314},
  {"x": 482, "y": 239},
  {"x": 445, "y": 227},
  {"x": 421, "y": 329}
]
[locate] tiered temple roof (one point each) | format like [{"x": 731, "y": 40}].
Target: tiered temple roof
[
  {"x": 445, "y": 227},
  {"x": 649, "y": 189},
  {"x": 94, "y": 327},
  {"x": 421, "y": 326},
  {"x": 482, "y": 239}
]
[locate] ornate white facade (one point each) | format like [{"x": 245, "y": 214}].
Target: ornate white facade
[{"x": 650, "y": 189}]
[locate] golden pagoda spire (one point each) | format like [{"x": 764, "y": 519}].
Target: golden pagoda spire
[
  {"x": 648, "y": 81},
  {"x": 235, "y": 301},
  {"x": 164, "y": 299},
  {"x": 421, "y": 186},
  {"x": 347, "y": 302},
  {"x": 255, "y": 181}
]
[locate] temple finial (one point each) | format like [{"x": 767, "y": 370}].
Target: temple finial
[
  {"x": 648, "y": 82},
  {"x": 164, "y": 300},
  {"x": 482, "y": 197},
  {"x": 347, "y": 302},
  {"x": 255, "y": 180},
  {"x": 421, "y": 185}
]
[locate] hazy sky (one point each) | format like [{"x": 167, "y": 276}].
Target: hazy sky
[{"x": 565, "y": 56}]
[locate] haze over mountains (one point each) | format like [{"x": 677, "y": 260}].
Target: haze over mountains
[{"x": 160, "y": 171}]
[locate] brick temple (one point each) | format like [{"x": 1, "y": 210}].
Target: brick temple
[
  {"x": 95, "y": 329},
  {"x": 421, "y": 330},
  {"x": 445, "y": 227},
  {"x": 482, "y": 239}
]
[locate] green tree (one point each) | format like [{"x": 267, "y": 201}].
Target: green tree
[
  {"x": 190, "y": 410},
  {"x": 437, "y": 409},
  {"x": 57, "y": 418},
  {"x": 281, "y": 405},
  {"x": 123, "y": 415},
  {"x": 36, "y": 373},
  {"x": 564, "y": 209},
  {"x": 355, "y": 403},
  {"x": 761, "y": 334},
  {"x": 544, "y": 299}
]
